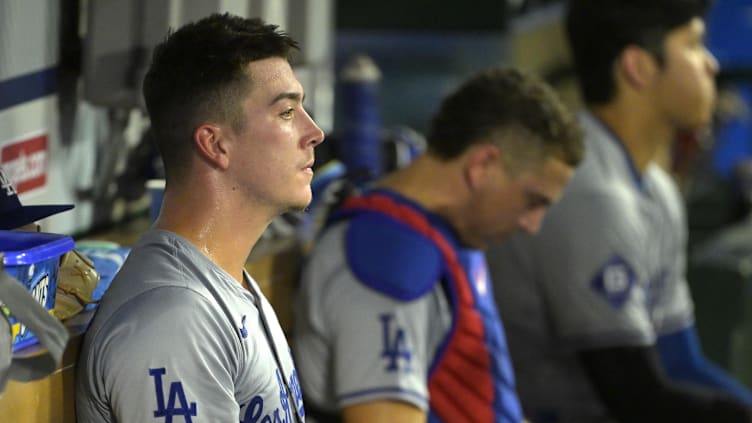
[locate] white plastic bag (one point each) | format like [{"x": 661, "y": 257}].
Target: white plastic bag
[{"x": 47, "y": 329}]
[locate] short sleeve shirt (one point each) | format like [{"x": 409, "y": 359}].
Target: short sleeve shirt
[{"x": 175, "y": 338}]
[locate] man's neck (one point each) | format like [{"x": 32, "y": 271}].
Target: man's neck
[
  {"x": 432, "y": 184},
  {"x": 220, "y": 233},
  {"x": 642, "y": 133}
]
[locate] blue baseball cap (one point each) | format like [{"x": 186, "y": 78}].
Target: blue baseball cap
[{"x": 13, "y": 214}]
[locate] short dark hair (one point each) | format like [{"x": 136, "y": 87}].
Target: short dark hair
[
  {"x": 199, "y": 73},
  {"x": 599, "y": 30},
  {"x": 509, "y": 107}
]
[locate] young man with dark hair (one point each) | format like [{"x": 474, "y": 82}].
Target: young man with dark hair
[
  {"x": 184, "y": 333},
  {"x": 396, "y": 321},
  {"x": 597, "y": 308}
]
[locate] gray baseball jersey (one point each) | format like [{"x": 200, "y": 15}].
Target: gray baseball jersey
[
  {"x": 375, "y": 348},
  {"x": 606, "y": 269},
  {"x": 176, "y": 339}
]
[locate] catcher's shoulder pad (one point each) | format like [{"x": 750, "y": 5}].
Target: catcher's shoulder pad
[{"x": 391, "y": 257}]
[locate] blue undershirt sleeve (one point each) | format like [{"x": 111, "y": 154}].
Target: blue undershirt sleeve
[{"x": 683, "y": 360}]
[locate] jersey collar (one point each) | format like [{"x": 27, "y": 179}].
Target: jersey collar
[{"x": 611, "y": 135}]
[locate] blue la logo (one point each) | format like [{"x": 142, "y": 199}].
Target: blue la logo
[
  {"x": 177, "y": 404},
  {"x": 395, "y": 346}
]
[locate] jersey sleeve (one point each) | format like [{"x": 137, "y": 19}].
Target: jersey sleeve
[
  {"x": 174, "y": 360},
  {"x": 356, "y": 344},
  {"x": 590, "y": 266},
  {"x": 380, "y": 345}
]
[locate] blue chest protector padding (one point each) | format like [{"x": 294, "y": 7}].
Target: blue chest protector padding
[{"x": 391, "y": 257}]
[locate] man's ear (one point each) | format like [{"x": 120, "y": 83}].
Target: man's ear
[
  {"x": 211, "y": 142},
  {"x": 637, "y": 66},
  {"x": 480, "y": 162}
]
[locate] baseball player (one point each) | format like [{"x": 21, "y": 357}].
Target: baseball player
[
  {"x": 184, "y": 333},
  {"x": 597, "y": 308},
  {"x": 396, "y": 318}
]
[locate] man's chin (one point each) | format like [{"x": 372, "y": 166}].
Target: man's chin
[
  {"x": 299, "y": 208},
  {"x": 301, "y": 205}
]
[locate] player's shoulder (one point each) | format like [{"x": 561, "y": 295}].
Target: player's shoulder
[
  {"x": 391, "y": 257},
  {"x": 595, "y": 206},
  {"x": 146, "y": 314}
]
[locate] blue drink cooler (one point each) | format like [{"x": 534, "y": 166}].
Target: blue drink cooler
[{"x": 34, "y": 259}]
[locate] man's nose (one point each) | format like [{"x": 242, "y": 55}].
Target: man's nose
[{"x": 531, "y": 221}]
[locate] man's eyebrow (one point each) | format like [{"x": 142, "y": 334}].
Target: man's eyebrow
[{"x": 288, "y": 96}]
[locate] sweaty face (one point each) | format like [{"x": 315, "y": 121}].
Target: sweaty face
[
  {"x": 686, "y": 85},
  {"x": 517, "y": 202},
  {"x": 272, "y": 155}
]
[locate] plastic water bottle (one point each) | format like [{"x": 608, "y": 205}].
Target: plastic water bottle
[{"x": 360, "y": 144}]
